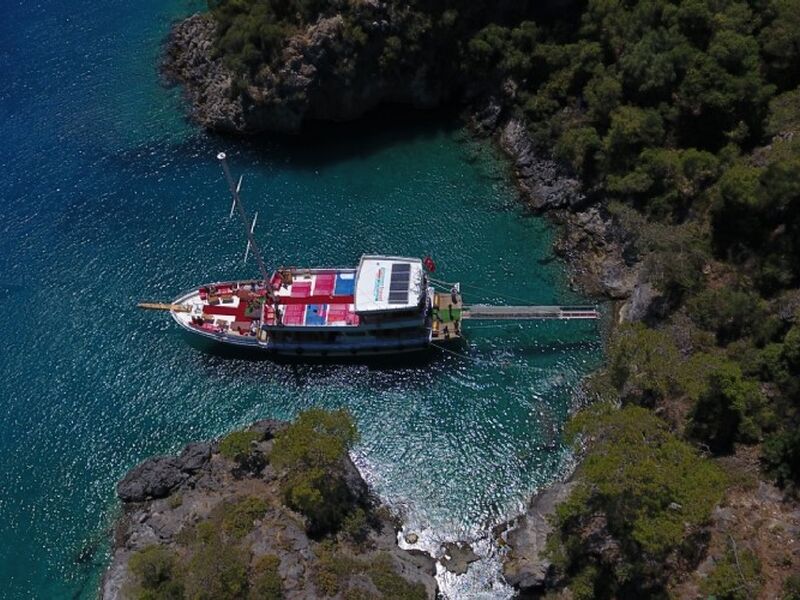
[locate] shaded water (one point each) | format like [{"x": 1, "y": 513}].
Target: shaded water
[{"x": 109, "y": 197}]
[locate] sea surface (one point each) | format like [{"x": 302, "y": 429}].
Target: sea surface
[{"x": 110, "y": 197}]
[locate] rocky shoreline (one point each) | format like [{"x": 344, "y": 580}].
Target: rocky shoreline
[
  {"x": 596, "y": 248},
  {"x": 165, "y": 496},
  {"x": 307, "y": 86}
]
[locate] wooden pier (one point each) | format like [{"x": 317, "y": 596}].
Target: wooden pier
[{"x": 516, "y": 313}]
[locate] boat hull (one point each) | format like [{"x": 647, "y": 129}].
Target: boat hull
[
  {"x": 351, "y": 342},
  {"x": 204, "y": 340}
]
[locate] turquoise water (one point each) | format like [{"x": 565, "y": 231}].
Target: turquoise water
[{"x": 110, "y": 197}]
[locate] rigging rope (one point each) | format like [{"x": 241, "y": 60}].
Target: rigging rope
[{"x": 449, "y": 285}]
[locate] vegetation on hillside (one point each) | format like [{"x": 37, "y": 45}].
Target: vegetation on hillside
[
  {"x": 310, "y": 452},
  {"x": 682, "y": 118},
  {"x": 642, "y": 499},
  {"x": 216, "y": 559}
]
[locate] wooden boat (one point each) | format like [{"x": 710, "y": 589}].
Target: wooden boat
[{"x": 385, "y": 305}]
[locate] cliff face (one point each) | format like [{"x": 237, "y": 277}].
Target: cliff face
[
  {"x": 317, "y": 79},
  {"x": 166, "y": 498}
]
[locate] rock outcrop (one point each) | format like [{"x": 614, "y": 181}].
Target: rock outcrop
[
  {"x": 596, "y": 247},
  {"x": 310, "y": 81},
  {"x": 542, "y": 181},
  {"x": 167, "y": 495},
  {"x": 526, "y": 567},
  {"x": 207, "y": 84}
]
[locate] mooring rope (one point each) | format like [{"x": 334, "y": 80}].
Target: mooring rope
[
  {"x": 449, "y": 285},
  {"x": 505, "y": 364}
]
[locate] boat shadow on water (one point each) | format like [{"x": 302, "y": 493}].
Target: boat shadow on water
[{"x": 422, "y": 358}]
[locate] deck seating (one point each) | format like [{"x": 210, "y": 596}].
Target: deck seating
[
  {"x": 324, "y": 284},
  {"x": 294, "y": 314},
  {"x": 345, "y": 284},
  {"x": 316, "y": 314},
  {"x": 337, "y": 314},
  {"x": 218, "y": 310}
]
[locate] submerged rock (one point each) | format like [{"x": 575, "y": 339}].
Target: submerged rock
[{"x": 457, "y": 557}]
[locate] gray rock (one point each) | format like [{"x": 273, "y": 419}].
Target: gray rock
[
  {"x": 544, "y": 184},
  {"x": 617, "y": 280},
  {"x": 638, "y": 306},
  {"x": 525, "y": 568},
  {"x": 355, "y": 483},
  {"x": 457, "y": 557},
  {"x": 422, "y": 561},
  {"x": 268, "y": 428},
  {"x": 194, "y": 456},
  {"x": 486, "y": 119},
  {"x": 411, "y": 538},
  {"x": 154, "y": 478}
]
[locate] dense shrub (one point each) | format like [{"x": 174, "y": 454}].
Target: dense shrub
[
  {"x": 642, "y": 494},
  {"x": 791, "y": 587},
  {"x": 156, "y": 570},
  {"x": 736, "y": 576},
  {"x": 355, "y": 526},
  {"x": 729, "y": 313},
  {"x": 217, "y": 569},
  {"x": 335, "y": 568},
  {"x": 311, "y": 453},
  {"x": 729, "y": 409},
  {"x": 643, "y": 364},
  {"x": 238, "y": 446},
  {"x": 267, "y": 583},
  {"x": 238, "y": 517}
]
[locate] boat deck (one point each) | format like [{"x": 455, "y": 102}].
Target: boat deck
[
  {"x": 306, "y": 298},
  {"x": 314, "y": 298},
  {"x": 447, "y": 314},
  {"x": 231, "y": 308}
]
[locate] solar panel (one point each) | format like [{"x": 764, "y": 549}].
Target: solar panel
[{"x": 399, "y": 283}]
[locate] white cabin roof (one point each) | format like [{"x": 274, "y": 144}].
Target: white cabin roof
[{"x": 387, "y": 283}]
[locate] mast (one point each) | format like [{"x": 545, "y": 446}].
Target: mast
[{"x": 237, "y": 202}]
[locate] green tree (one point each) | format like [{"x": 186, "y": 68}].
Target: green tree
[
  {"x": 781, "y": 457},
  {"x": 791, "y": 348},
  {"x": 311, "y": 453},
  {"x": 643, "y": 364},
  {"x": 730, "y": 314},
  {"x": 730, "y": 409},
  {"x": 641, "y": 494},
  {"x": 780, "y": 41},
  {"x": 632, "y": 130}
]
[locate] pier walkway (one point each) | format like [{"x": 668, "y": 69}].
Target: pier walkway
[{"x": 500, "y": 313}]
